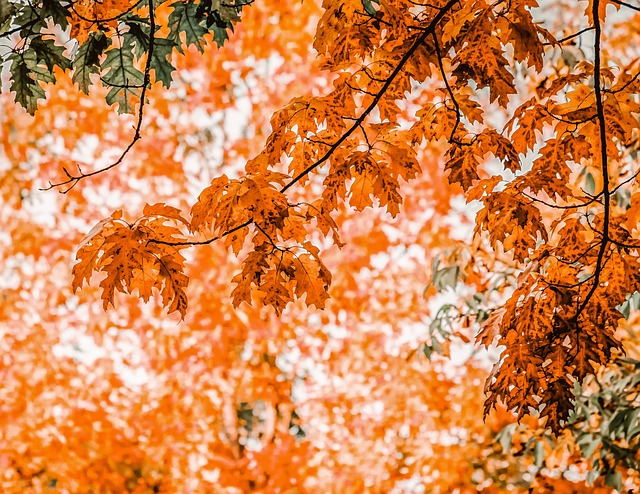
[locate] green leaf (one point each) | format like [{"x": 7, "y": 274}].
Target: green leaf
[
  {"x": 538, "y": 453},
  {"x": 616, "y": 422},
  {"x": 220, "y": 34},
  {"x": 430, "y": 349},
  {"x": 28, "y": 18},
  {"x": 625, "y": 309},
  {"x": 445, "y": 278},
  {"x": 27, "y": 72},
  {"x": 27, "y": 90},
  {"x": 183, "y": 20},
  {"x": 138, "y": 35},
  {"x": 613, "y": 479},
  {"x": 138, "y": 39},
  {"x": 589, "y": 184},
  {"x": 505, "y": 437},
  {"x": 87, "y": 59},
  {"x": 7, "y": 10},
  {"x": 160, "y": 61},
  {"x": 48, "y": 53},
  {"x": 623, "y": 198},
  {"x": 588, "y": 444},
  {"x": 593, "y": 474},
  {"x": 218, "y": 17},
  {"x": 369, "y": 8},
  {"x": 126, "y": 80},
  {"x": 632, "y": 424},
  {"x": 57, "y": 11}
]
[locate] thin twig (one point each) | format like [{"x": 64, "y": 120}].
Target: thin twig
[
  {"x": 556, "y": 206},
  {"x": 73, "y": 179},
  {"x": 625, "y": 4},
  {"x": 449, "y": 90},
  {"x": 567, "y": 38},
  {"x": 207, "y": 241}
]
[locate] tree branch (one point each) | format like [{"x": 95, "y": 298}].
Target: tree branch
[
  {"x": 625, "y": 4},
  {"x": 571, "y": 36},
  {"x": 606, "y": 193},
  {"x": 73, "y": 179},
  {"x": 357, "y": 123},
  {"x": 428, "y": 31}
]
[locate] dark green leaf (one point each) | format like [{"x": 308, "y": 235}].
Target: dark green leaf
[
  {"x": 589, "y": 184},
  {"x": 160, "y": 62},
  {"x": 7, "y": 10},
  {"x": 505, "y": 437},
  {"x": 593, "y": 474},
  {"x": 87, "y": 59},
  {"x": 220, "y": 34},
  {"x": 126, "y": 80},
  {"x": 613, "y": 479},
  {"x": 588, "y": 444},
  {"x": 369, "y": 8},
  {"x": 538, "y": 453},
  {"x": 183, "y": 20},
  {"x": 27, "y": 90},
  {"x": 137, "y": 39},
  {"x": 137, "y": 36},
  {"x": 29, "y": 19},
  {"x": 57, "y": 11},
  {"x": 617, "y": 420},
  {"x": 218, "y": 17},
  {"x": 48, "y": 53}
]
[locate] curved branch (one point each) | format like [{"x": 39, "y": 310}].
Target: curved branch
[
  {"x": 207, "y": 241},
  {"x": 73, "y": 179},
  {"x": 556, "y": 206},
  {"x": 604, "y": 166},
  {"x": 450, "y": 91}
]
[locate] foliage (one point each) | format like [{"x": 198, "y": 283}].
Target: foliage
[
  {"x": 534, "y": 123},
  {"x": 120, "y": 41}
]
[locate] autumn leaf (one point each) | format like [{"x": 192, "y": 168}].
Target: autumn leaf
[{"x": 138, "y": 257}]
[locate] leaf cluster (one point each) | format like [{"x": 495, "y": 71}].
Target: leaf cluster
[{"x": 125, "y": 45}]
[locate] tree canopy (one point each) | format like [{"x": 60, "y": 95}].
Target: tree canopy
[{"x": 294, "y": 181}]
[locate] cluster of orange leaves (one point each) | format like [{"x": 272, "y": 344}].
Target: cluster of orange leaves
[
  {"x": 349, "y": 145},
  {"x": 93, "y": 15},
  {"x": 357, "y": 143}
]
